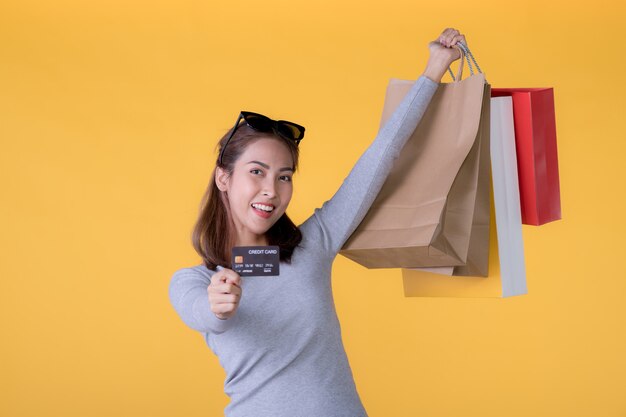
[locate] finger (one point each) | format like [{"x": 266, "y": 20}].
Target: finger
[
  {"x": 217, "y": 288},
  {"x": 446, "y": 31},
  {"x": 224, "y": 298},
  {"x": 235, "y": 280},
  {"x": 461, "y": 39},
  {"x": 217, "y": 278},
  {"x": 449, "y": 35},
  {"x": 223, "y": 308},
  {"x": 456, "y": 39},
  {"x": 231, "y": 289},
  {"x": 225, "y": 276},
  {"x": 225, "y": 288},
  {"x": 232, "y": 276},
  {"x": 450, "y": 39}
]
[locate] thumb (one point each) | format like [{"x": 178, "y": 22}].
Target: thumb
[{"x": 234, "y": 279}]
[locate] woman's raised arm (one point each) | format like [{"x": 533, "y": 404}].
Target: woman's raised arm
[{"x": 339, "y": 217}]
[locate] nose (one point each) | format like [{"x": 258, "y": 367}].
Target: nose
[{"x": 269, "y": 188}]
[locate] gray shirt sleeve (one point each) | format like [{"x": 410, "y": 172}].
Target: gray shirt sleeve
[
  {"x": 338, "y": 217},
  {"x": 188, "y": 293}
]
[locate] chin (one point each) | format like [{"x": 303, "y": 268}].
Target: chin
[{"x": 273, "y": 223}]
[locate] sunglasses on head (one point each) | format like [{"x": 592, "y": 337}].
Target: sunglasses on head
[{"x": 261, "y": 123}]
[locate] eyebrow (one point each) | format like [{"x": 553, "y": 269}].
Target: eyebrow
[{"x": 268, "y": 167}]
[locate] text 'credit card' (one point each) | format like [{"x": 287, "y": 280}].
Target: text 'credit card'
[{"x": 256, "y": 260}]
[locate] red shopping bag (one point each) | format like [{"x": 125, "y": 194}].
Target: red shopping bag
[{"x": 535, "y": 143}]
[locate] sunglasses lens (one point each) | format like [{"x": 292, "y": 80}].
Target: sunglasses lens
[
  {"x": 290, "y": 131},
  {"x": 259, "y": 122}
]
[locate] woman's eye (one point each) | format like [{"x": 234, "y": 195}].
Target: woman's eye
[
  {"x": 254, "y": 171},
  {"x": 286, "y": 178}
]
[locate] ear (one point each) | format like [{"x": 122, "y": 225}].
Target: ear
[{"x": 221, "y": 179}]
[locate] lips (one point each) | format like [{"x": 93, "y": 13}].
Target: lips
[
  {"x": 262, "y": 209},
  {"x": 266, "y": 206}
]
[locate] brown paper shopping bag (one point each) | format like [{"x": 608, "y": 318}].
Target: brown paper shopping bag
[
  {"x": 424, "y": 284},
  {"x": 477, "y": 262},
  {"x": 507, "y": 271},
  {"x": 418, "y": 219}
]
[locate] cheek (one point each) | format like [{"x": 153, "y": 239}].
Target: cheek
[
  {"x": 241, "y": 189},
  {"x": 287, "y": 195},
  {"x": 238, "y": 197}
]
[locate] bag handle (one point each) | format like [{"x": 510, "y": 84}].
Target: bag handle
[{"x": 464, "y": 52}]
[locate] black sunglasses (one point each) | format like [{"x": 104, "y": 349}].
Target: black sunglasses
[{"x": 256, "y": 121}]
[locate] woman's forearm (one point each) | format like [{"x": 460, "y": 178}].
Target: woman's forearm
[{"x": 436, "y": 67}]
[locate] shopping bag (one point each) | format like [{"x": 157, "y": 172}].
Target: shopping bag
[
  {"x": 415, "y": 220},
  {"x": 507, "y": 274},
  {"x": 477, "y": 262},
  {"x": 537, "y": 161}
]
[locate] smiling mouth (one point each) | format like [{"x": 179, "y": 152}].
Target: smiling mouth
[{"x": 263, "y": 207}]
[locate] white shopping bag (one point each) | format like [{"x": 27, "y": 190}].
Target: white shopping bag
[{"x": 506, "y": 197}]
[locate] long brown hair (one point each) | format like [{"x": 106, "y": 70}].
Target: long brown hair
[{"x": 213, "y": 235}]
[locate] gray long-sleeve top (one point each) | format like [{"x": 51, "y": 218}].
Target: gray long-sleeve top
[{"x": 282, "y": 349}]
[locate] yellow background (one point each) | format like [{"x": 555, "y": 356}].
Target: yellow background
[{"x": 109, "y": 115}]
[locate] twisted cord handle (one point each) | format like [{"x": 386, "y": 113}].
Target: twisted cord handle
[{"x": 466, "y": 52}]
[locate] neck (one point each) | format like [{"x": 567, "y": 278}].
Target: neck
[{"x": 251, "y": 241}]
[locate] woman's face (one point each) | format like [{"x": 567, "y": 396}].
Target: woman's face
[{"x": 261, "y": 181}]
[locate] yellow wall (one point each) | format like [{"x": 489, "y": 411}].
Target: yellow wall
[{"x": 109, "y": 114}]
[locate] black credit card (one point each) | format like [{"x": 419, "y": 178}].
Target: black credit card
[{"x": 256, "y": 260}]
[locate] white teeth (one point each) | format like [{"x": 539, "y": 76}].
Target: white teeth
[{"x": 263, "y": 207}]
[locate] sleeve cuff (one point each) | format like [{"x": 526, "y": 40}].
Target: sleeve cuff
[{"x": 429, "y": 83}]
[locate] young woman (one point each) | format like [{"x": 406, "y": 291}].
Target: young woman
[{"x": 278, "y": 337}]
